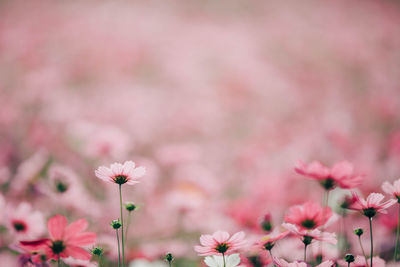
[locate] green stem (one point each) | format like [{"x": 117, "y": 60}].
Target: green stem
[
  {"x": 223, "y": 257},
  {"x": 397, "y": 236},
  {"x": 127, "y": 225},
  {"x": 122, "y": 228},
  {"x": 119, "y": 251},
  {"x": 326, "y": 204},
  {"x": 363, "y": 252},
  {"x": 305, "y": 253},
  {"x": 59, "y": 261},
  {"x": 169, "y": 263},
  {"x": 372, "y": 241}
]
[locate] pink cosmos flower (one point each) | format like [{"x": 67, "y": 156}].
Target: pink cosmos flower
[
  {"x": 310, "y": 215},
  {"x": 282, "y": 263},
  {"x": 268, "y": 241},
  {"x": 392, "y": 189},
  {"x": 79, "y": 263},
  {"x": 65, "y": 240},
  {"x": 220, "y": 242},
  {"x": 341, "y": 174},
  {"x": 310, "y": 236},
  {"x": 121, "y": 173},
  {"x": 371, "y": 205}
]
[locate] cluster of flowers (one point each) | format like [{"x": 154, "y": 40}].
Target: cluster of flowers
[{"x": 308, "y": 222}]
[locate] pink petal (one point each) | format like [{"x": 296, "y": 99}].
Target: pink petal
[
  {"x": 77, "y": 252},
  {"x": 83, "y": 239},
  {"x": 221, "y": 236},
  {"x": 56, "y": 226},
  {"x": 75, "y": 228}
]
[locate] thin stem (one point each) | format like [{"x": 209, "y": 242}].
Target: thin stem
[
  {"x": 372, "y": 241},
  {"x": 169, "y": 263},
  {"x": 127, "y": 225},
  {"x": 363, "y": 252},
  {"x": 223, "y": 257},
  {"x": 122, "y": 228},
  {"x": 305, "y": 253},
  {"x": 59, "y": 261},
  {"x": 397, "y": 236},
  {"x": 326, "y": 203},
  {"x": 270, "y": 253},
  {"x": 348, "y": 264},
  {"x": 119, "y": 251}
]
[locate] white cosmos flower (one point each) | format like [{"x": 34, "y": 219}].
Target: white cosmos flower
[{"x": 217, "y": 261}]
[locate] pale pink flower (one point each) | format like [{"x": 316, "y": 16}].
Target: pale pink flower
[
  {"x": 220, "y": 243},
  {"x": 65, "y": 240},
  {"x": 268, "y": 241},
  {"x": 314, "y": 234},
  {"x": 121, "y": 173},
  {"x": 282, "y": 263},
  {"x": 310, "y": 215},
  {"x": 79, "y": 263},
  {"x": 25, "y": 222},
  {"x": 371, "y": 205},
  {"x": 392, "y": 189},
  {"x": 341, "y": 174}
]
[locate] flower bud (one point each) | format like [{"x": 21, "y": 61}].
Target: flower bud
[
  {"x": 169, "y": 257},
  {"x": 116, "y": 224},
  {"x": 359, "y": 231},
  {"x": 98, "y": 251},
  {"x": 349, "y": 258},
  {"x": 266, "y": 222},
  {"x": 129, "y": 206}
]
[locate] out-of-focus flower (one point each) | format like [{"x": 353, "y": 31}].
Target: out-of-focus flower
[
  {"x": 311, "y": 235},
  {"x": 146, "y": 263},
  {"x": 65, "y": 240},
  {"x": 371, "y": 205},
  {"x": 220, "y": 243},
  {"x": 359, "y": 261},
  {"x": 266, "y": 222},
  {"x": 268, "y": 241},
  {"x": 25, "y": 222},
  {"x": 282, "y": 263},
  {"x": 341, "y": 174},
  {"x": 310, "y": 215},
  {"x": 392, "y": 189},
  {"x": 218, "y": 261},
  {"x": 121, "y": 173}
]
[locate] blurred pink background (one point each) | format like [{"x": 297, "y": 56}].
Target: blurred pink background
[{"x": 217, "y": 99}]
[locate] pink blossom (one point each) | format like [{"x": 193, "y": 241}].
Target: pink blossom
[
  {"x": 341, "y": 174},
  {"x": 220, "y": 242},
  {"x": 310, "y": 215},
  {"x": 268, "y": 241},
  {"x": 392, "y": 189},
  {"x": 282, "y": 263},
  {"x": 371, "y": 205},
  {"x": 65, "y": 240},
  {"x": 314, "y": 234},
  {"x": 121, "y": 173}
]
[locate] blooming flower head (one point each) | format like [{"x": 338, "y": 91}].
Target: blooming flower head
[
  {"x": 25, "y": 222},
  {"x": 309, "y": 236},
  {"x": 121, "y": 173},
  {"x": 310, "y": 215},
  {"x": 217, "y": 261},
  {"x": 220, "y": 243},
  {"x": 268, "y": 241},
  {"x": 341, "y": 174},
  {"x": 372, "y": 205},
  {"x": 65, "y": 240},
  {"x": 282, "y": 263},
  {"x": 392, "y": 189}
]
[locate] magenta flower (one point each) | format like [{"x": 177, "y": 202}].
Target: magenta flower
[
  {"x": 121, "y": 173},
  {"x": 372, "y": 205},
  {"x": 220, "y": 243},
  {"x": 392, "y": 189},
  {"x": 341, "y": 174},
  {"x": 267, "y": 242},
  {"x": 65, "y": 240},
  {"x": 310, "y": 215}
]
